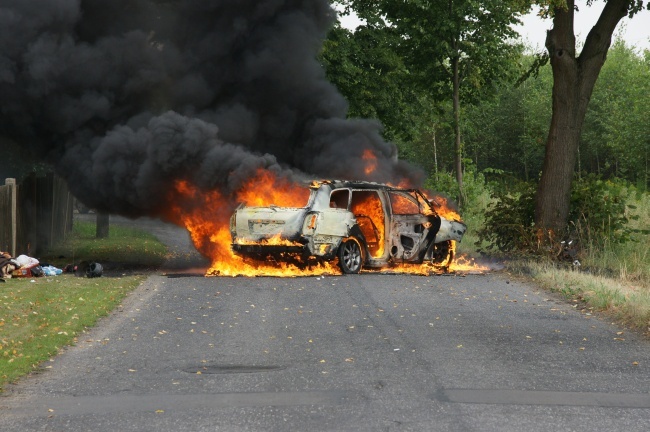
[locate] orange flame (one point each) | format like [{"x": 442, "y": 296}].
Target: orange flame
[
  {"x": 461, "y": 264},
  {"x": 266, "y": 188},
  {"x": 371, "y": 161},
  {"x": 370, "y": 216},
  {"x": 206, "y": 216},
  {"x": 443, "y": 208}
]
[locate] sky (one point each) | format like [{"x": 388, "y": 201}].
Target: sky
[{"x": 635, "y": 31}]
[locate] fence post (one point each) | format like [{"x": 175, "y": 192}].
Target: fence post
[
  {"x": 12, "y": 184},
  {"x": 102, "y": 226}
]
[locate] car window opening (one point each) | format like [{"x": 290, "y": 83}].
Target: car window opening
[
  {"x": 403, "y": 204},
  {"x": 340, "y": 199},
  {"x": 368, "y": 210}
]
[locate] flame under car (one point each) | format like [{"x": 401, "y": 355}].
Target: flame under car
[{"x": 360, "y": 224}]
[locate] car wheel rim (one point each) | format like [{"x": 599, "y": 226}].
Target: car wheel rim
[{"x": 352, "y": 255}]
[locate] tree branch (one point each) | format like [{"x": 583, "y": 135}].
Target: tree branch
[{"x": 600, "y": 36}]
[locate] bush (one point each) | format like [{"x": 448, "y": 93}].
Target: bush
[
  {"x": 598, "y": 214},
  {"x": 509, "y": 220},
  {"x": 477, "y": 195},
  {"x": 475, "y": 190},
  {"x": 599, "y": 211}
]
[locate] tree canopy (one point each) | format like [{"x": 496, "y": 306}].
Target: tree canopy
[
  {"x": 453, "y": 50},
  {"x": 464, "y": 57}
]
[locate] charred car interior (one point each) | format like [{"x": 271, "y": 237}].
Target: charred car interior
[{"x": 360, "y": 224}]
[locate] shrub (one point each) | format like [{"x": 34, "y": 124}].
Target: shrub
[
  {"x": 599, "y": 210},
  {"x": 509, "y": 220},
  {"x": 598, "y": 214},
  {"x": 475, "y": 189}
]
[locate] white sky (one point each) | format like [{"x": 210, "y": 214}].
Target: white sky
[{"x": 635, "y": 31}]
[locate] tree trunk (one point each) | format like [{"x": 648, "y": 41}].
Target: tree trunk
[
  {"x": 435, "y": 152},
  {"x": 458, "y": 152},
  {"x": 573, "y": 83},
  {"x": 102, "y": 225},
  {"x": 455, "y": 81}
]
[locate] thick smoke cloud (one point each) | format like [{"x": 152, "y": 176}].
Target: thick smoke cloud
[{"x": 125, "y": 97}]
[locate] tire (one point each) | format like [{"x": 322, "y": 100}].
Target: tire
[
  {"x": 442, "y": 254},
  {"x": 350, "y": 256}
]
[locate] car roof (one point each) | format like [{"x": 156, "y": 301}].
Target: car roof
[{"x": 355, "y": 184}]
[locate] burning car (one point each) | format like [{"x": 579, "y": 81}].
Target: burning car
[{"x": 361, "y": 224}]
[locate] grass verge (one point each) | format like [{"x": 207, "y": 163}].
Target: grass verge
[
  {"x": 125, "y": 245},
  {"x": 614, "y": 279},
  {"x": 40, "y": 316},
  {"x": 625, "y": 302}
]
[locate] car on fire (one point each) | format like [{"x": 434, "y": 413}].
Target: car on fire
[{"x": 362, "y": 224}]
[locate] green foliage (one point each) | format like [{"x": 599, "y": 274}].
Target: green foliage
[
  {"x": 598, "y": 214},
  {"x": 509, "y": 132},
  {"x": 366, "y": 68},
  {"x": 452, "y": 51},
  {"x": 474, "y": 186},
  {"x": 540, "y": 60},
  {"x": 599, "y": 211},
  {"x": 616, "y": 135},
  {"x": 434, "y": 33},
  {"x": 509, "y": 221},
  {"x": 629, "y": 259},
  {"x": 477, "y": 199},
  {"x": 396, "y": 69}
]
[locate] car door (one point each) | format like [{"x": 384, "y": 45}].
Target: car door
[
  {"x": 409, "y": 228},
  {"x": 368, "y": 209}
]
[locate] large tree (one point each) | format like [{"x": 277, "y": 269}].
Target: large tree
[
  {"x": 365, "y": 66},
  {"x": 574, "y": 77}
]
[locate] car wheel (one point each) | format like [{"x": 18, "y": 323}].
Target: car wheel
[
  {"x": 442, "y": 254},
  {"x": 350, "y": 256}
]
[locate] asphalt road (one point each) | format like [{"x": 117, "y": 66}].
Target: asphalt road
[{"x": 341, "y": 353}]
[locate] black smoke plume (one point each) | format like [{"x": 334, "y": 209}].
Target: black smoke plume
[{"x": 125, "y": 97}]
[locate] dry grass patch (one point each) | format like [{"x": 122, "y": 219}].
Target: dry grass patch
[{"x": 627, "y": 301}]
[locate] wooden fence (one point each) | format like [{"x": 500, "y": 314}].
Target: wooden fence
[
  {"x": 34, "y": 214},
  {"x": 8, "y": 228}
]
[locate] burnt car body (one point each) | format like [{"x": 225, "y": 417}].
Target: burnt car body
[{"x": 362, "y": 224}]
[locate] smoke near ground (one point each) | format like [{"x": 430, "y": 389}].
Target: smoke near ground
[{"x": 125, "y": 97}]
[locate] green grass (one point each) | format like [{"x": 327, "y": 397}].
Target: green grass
[
  {"x": 630, "y": 261},
  {"x": 39, "y": 316},
  {"x": 124, "y": 245},
  {"x": 474, "y": 217}
]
